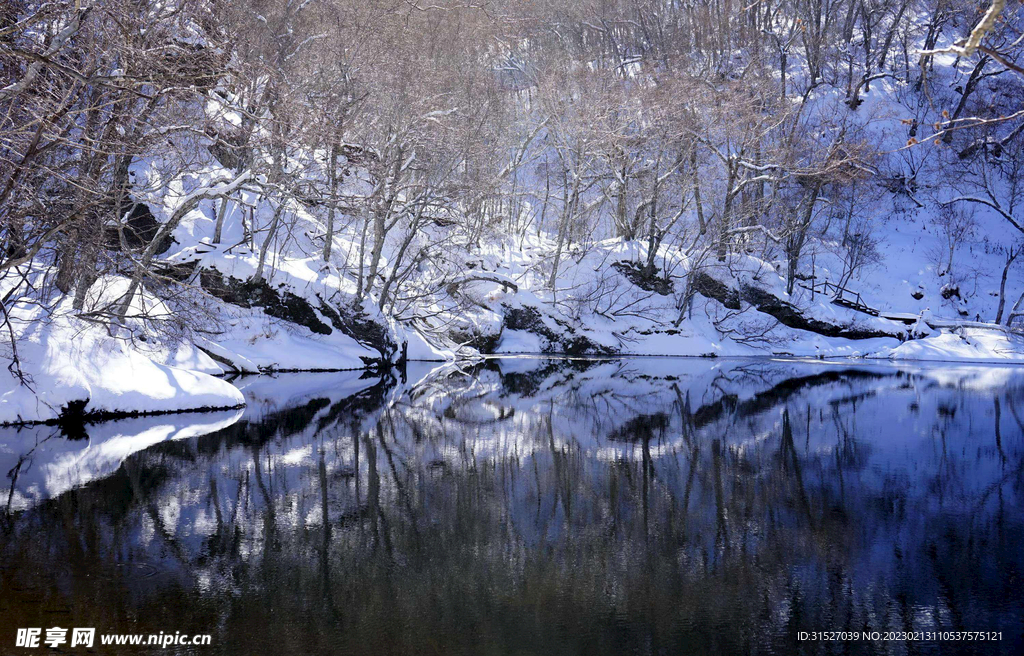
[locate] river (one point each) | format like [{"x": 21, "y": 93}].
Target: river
[{"x": 537, "y": 506}]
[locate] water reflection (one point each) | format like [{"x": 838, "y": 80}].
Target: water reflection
[{"x": 542, "y": 506}]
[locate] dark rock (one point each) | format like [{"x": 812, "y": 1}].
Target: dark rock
[
  {"x": 568, "y": 341},
  {"x": 705, "y": 285},
  {"x": 527, "y": 318},
  {"x": 647, "y": 280},
  {"x": 257, "y": 293},
  {"x": 789, "y": 315},
  {"x": 139, "y": 229},
  {"x": 283, "y": 304},
  {"x": 786, "y": 313},
  {"x": 225, "y": 151},
  {"x": 355, "y": 323},
  {"x": 949, "y": 291},
  {"x": 180, "y": 271},
  {"x": 483, "y": 342}
]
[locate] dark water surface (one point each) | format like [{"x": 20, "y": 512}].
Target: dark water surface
[{"x": 654, "y": 506}]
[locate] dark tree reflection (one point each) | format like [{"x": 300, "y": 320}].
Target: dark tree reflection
[{"x": 549, "y": 507}]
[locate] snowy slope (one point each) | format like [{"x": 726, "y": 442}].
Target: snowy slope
[{"x": 69, "y": 360}]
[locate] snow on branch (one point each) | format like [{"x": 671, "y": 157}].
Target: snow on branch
[
  {"x": 760, "y": 168},
  {"x": 972, "y": 199},
  {"x": 220, "y": 188},
  {"x": 756, "y": 228},
  {"x": 973, "y": 42}
]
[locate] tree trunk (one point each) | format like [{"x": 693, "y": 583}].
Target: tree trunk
[
  {"x": 1015, "y": 310},
  {"x": 969, "y": 87},
  {"x": 399, "y": 256},
  {"x": 654, "y": 236},
  {"x": 696, "y": 191},
  {"x": 66, "y": 257},
  {"x": 625, "y": 229},
  {"x": 1010, "y": 257},
  {"x": 380, "y": 217},
  {"x": 219, "y": 227},
  {"x": 379, "y": 223},
  {"x": 723, "y": 231},
  {"x": 892, "y": 33},
  {"x": 271, "y": 233},
  {"x": 783, "y": 56},
  {"x": 563, "y": 227},
  {"x": 332, "y": 174},
  {"x": 795, "y": 242},
  {"x": 362, "y": 255}
]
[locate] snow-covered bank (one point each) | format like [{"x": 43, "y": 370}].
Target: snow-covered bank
[
  {"x": 739, "y": 309},
  {"x": 962, "y": 345},
  {"x": 210, "y": 309},
  {"x": 70, "y": 362}
]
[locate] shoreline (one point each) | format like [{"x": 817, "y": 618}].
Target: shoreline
[{"x": 81, "y": 418}]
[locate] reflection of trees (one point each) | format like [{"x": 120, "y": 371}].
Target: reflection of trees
[
  {"x": 467, "y": 512},
  {"x": 23, "y": 462}
]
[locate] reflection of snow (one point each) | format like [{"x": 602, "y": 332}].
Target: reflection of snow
[
  {"x": 52, "y": 465},
  {"x": 298, "y": 456},
  {"x": 531, "y": 411},
  {"x": 686, "y": 469}
]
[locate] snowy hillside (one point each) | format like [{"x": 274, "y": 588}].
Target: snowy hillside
[{"x": 211, "y": 190}]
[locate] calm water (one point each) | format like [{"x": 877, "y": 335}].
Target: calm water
[{"x": 658, "y": 506}]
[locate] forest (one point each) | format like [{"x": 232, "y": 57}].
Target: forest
[{"x": 190, "y": 188}]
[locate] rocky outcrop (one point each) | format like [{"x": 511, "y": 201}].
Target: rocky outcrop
[
  {"x": 710, "y": 287},
  {"x": 473, "y": 337},
  {"x": 286, "y": 305},
  {"x": 787, "y": 314},
  {"x": 257, "y": 293},
  {"x": 139, "y": 228},
  {"x": 566, "y": 339},
  {"x": 355, "y": 323},
  {"x": 557, "y": 336},
  {"x": 646, "y": 279}
]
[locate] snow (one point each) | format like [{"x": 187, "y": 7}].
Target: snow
[
  {"x": 422, "y": 350},
  {"x": 70, "y": 359},
  {"x": 597, "y": 301},
  {"x": 48, "y": 465},
  {"x": 519, "y": 341},
  {"x": 967, "y": 344},
  {"x": 248, "y": 338}
]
